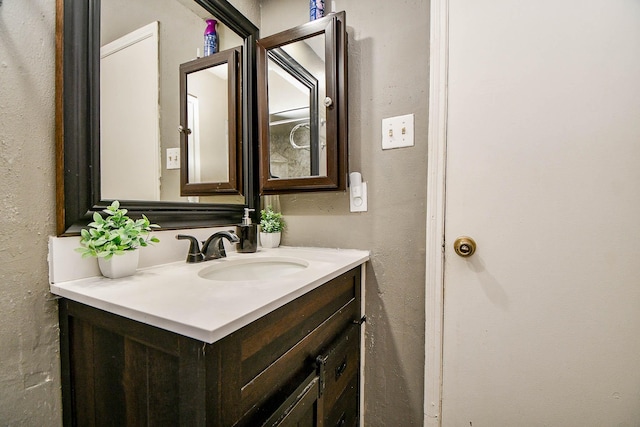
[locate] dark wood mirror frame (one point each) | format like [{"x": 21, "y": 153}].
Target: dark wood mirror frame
[
  {"x": 231, "y": 59},
  {"x": 78, "y": 127},
  {"x": 333, "y": 26}
]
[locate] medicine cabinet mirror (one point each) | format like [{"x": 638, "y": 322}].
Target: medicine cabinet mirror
[
  {"x": 210, "y": 119},
  {"x": 302, "y": 107},
  {"x": 79, "y": 127}
]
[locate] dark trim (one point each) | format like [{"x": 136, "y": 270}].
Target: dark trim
[{"x": 78, "y": 127}]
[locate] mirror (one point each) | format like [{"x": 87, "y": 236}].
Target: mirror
[
  {"x": 209, "y": 123},
  {"x": 78, "y": 187},
  {"x": 302, "y": 107},
  {"x": 295, "y": 127}
]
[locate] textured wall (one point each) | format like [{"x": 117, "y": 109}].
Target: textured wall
[
  {"x": 29, "y": 367},
  {"x": 388, "y": 76}
]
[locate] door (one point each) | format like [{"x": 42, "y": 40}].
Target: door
[
  {"x": 129, "y": 116},
  {"x": 542, "y": 323}
]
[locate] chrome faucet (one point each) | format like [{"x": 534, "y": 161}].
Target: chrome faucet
[{"x": 212, "y": 248}]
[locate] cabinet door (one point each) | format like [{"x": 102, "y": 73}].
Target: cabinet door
[
  {"x": 338, "y": 367},
  {"x": 303, "y": 408},
  {"x": 117, "y": 372}
]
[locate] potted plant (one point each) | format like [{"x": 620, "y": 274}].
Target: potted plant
[
  {"x": 271, "y": 226},
  {"x": 118, "y": 235}
]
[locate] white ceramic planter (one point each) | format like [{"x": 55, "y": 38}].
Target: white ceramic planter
[
  {"x": 270, "y": 240},
  {"x": 119, "y": 265}
]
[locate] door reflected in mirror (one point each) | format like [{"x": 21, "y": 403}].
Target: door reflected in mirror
[
  {"x": 302, "y": 107},
  {"x": 210, "y": 120},
  {"x": 130, "y": 116}
]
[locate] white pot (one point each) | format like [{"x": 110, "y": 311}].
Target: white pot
[
  {"x": 270, "y": 240},
  {"x": 119, "y": 265}
]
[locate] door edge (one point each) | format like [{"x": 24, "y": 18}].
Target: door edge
[{"x": 436, "y": 185}]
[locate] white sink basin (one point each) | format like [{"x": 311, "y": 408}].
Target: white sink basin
[{"x": 253, "y": 269}]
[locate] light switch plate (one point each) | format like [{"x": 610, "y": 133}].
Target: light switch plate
[
  {"x": 173, "y": 158},
  {"x": 397, "y": 132}
]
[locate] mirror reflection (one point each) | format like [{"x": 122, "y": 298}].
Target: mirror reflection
[
  {"x": 297, "y": 124},
  {"x": 210, "y": 124},
  {"x": 140, "y": 98},
  {"x": 207, "y": 120}
]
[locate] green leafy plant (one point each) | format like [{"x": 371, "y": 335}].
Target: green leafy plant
[
  {"x": 115, "y": 234},
  {"x": 270, "y": 221}
]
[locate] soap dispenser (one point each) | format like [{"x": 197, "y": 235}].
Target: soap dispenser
[{"x": 248, "y": 233}]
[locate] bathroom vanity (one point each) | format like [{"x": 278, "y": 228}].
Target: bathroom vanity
[{"x": 169, "y": 346}]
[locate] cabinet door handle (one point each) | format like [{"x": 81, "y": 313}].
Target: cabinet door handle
[
  {"x": 341, "y": 368},
  {"x": 342, "y": 421}
]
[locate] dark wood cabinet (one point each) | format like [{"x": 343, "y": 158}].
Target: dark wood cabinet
[{"x": 298, "y": 365}]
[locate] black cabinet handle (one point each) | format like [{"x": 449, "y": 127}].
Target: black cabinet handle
[
  {"x": 342, "y": 421},
  {"x": 359, "y": 322}
]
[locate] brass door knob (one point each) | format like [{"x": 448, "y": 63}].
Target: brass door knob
[{"x": 464, "y": 246}]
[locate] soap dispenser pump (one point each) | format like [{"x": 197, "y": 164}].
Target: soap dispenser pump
[{"x": 248, "y": 234}]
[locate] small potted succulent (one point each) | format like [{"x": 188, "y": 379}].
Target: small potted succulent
[
  {"x": 118, "y": 235},
  {"x": 271, "y": 226}
]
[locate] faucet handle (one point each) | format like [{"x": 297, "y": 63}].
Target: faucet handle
[{"x": 194, "y": 255}]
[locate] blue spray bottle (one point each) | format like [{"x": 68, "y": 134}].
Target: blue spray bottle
[{"x": 210, "y": 38}]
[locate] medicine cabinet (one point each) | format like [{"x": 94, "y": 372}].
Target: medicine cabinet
[
  {"x": 302, "y": 107},
  {"x": 211, "y": 124}
]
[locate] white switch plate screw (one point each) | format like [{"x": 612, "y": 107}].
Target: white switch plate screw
[
  {"x": 173, "y": 158},
  {"x": 397, "y": 132}
]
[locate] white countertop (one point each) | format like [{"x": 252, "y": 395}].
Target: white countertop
[{"x": 174, "y": 297}]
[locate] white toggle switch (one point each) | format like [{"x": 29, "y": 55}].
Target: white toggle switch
[
  {"x": 173, "y": 158},
  {"x": 397, "y": 132}
]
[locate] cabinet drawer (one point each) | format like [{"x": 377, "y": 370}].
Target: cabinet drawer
[{"x": 270, "y": 337}]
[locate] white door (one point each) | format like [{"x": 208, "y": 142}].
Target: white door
[
  {"x": 129, "y": 116},
  {"x": 542, "y": 323}
]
